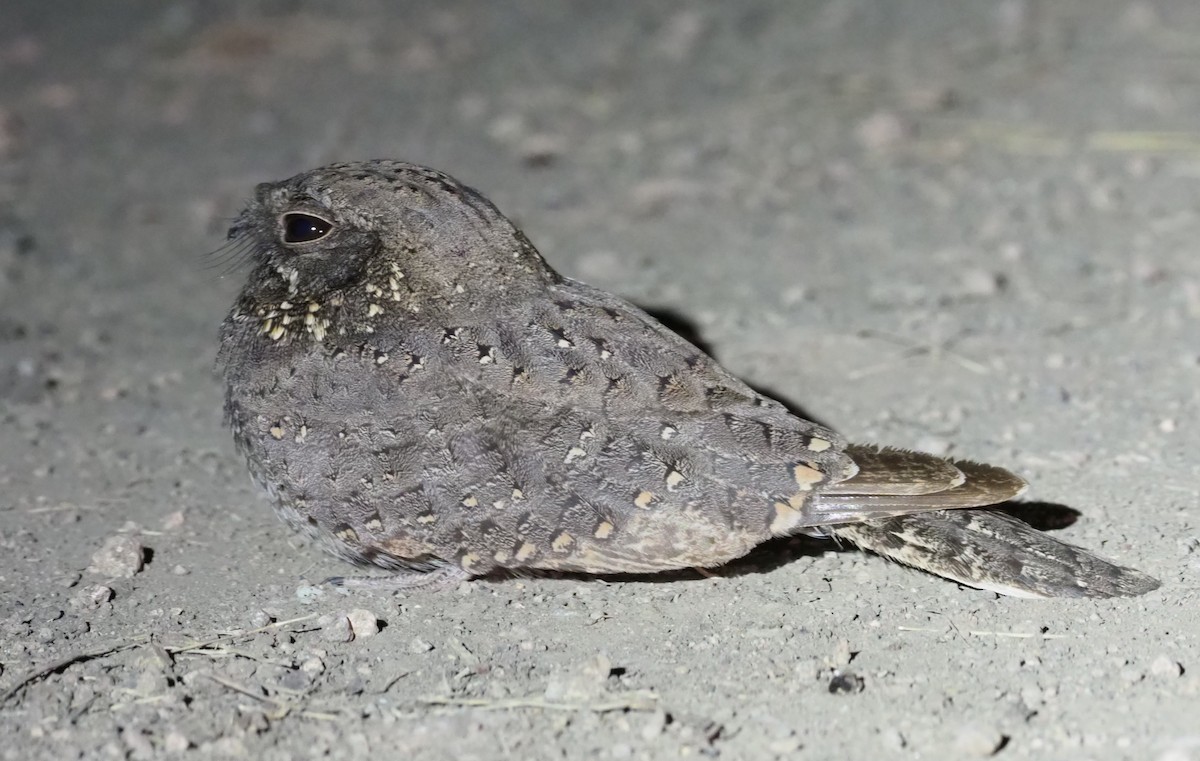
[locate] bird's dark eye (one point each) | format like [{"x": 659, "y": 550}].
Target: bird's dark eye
[{"x": 304, "y": 228}]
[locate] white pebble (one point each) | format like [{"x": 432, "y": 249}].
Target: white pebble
[
  {"x": 364, "y": 623},
  {"x": 92, "y": 597},
  {"x": 977, "y": 741},
  {"x": 121, "y": 556},
  {"x": 1165, "y": 666},
  {"x": 308, "y": 594},
  {"x": 176, "y": 742},
  {"x": 418, "y": 645},
  {"x": 980, "y": 283},
  {"x": 883, "y": 130}
]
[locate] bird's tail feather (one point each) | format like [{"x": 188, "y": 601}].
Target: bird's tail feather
[{"x": 994, "y": 551}]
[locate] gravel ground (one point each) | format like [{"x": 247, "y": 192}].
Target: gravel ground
[{"x": 967, "y": 228}]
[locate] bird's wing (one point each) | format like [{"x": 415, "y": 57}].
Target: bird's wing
[
  {"x": 893, "y": 482},
  {"x": 641, "y": 453}
]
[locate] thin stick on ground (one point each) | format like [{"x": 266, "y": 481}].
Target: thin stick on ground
[
  {"x": 977, "y": 633},
  {"x": 61, "y": 664},
  {"x": 282, "y": 708},
  {"x": 640, "y": 702},
  {"x": 177, "y": 649}
]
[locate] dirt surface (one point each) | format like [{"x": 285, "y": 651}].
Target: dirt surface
[{"x": 968, "y": 228}]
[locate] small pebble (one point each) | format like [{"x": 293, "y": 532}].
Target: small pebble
[
  {"x": 892, "y": 739},
  {"x": 151, "y": 681},
  {"x": 1132, "y": 675},
  {"x": 122, "y": 556},
  {"x": 841, "y": 654},
  {"x": 173, "y": 521},
  {"x": 883, "y": 130},
  {"x": 92, "y": 597},
  {"x": 507, "y": 128},
  {"x": 335, "y": 628},
  {"x": 1164, "y": 666},
  {"x": 308, "y": 594},
  {"x": 363, "y": 623},
  {"x": 793, "y": 295},
  {"x": 654, "y": 726},
  {"x": 176, "y": 742},
  {"x": 579, "y": 682},
  {"x": 785, "y": 746},
  {"x": 418, "y": 645},
  {"x": 977, "y": 742},
  {"x": 980, "y": 283},
  {"x": 259, "y": 619},
  {"x": 313, "y": 665}
]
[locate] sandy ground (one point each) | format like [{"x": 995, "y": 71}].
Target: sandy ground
[{"x": 962, "y": 227}]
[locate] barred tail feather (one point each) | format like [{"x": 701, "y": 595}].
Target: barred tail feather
[{"x": 996, "y": 552}]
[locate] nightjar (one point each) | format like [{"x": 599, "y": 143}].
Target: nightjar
[{"x": 417, "y": 389}]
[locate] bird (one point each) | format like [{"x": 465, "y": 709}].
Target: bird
[{"x": 417, "y": 389}]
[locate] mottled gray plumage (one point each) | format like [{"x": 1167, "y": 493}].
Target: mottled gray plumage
[{"x": 416, "y": 388}]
